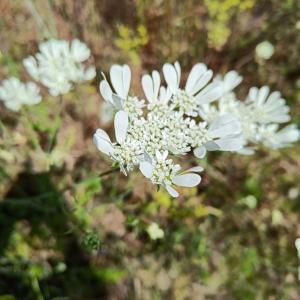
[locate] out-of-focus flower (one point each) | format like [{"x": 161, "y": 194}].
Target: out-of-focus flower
[
  {"x": 275, "y": 138},
  {"x": 155, "y": 232},
  {"x": 267, "y": 108},
  {"x": 264, "y": 50},
  {"x": 260, "y": 116},
  {"x": 59, "y": 64},
  {"x": 15, "y": 93}
]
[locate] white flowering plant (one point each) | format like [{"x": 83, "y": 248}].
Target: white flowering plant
[
  {"x": 60, "y": 67},
  {"x": 172, "y": 121}
]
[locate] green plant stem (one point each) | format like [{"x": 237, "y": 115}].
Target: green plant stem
[
  {"x": 36, "y": 287},
  {"x": 54, "y": 135},
  {"x": 111, "y": 171},
  {"x": 32, "y": 132}
]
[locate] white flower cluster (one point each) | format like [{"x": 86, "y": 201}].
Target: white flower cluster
[
  {"x": 59, "y": 64},
  {"x": 15, "y": 93},
  {"x": 150, "y": 135},
  {"x": 260, "y": 115}
]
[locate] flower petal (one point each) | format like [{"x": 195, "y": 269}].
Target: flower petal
[
  {"x": 170, "y": 75},
  {"x": 225, "y": 125},
  {"x": 148, "y": 88},
  {"x": 200, "y": 152},
  {"x": 146, "y": 168},
  {"x": 231, "y": 80},
  {"x": 102, "y": 142},
  {"x": 126, "y": 79},
  {"x": 187, "y": 180},
  {"x": 196, "y": 169},
  {"x": 106, "y": 91},
  {"x": 120, "y": 77},
  {"x": 178, "y": 71},
  {"x": 210, "y": 93},
  {"x": 225, "y": 144},
  {"x": 171, "y": 191},
  {"x": 156, "y": 83},
  {"x": 121, "y": 126},
  {"x": 198, "y": 78},
  {"x": 262, "y": 94}
]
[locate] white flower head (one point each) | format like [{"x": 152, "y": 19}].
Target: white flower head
[
  {"x": 224, "y": 134},
  {"x": 15, "y": 93},
  {"x": 179, "y": 121},
  {"x": 162, "y": 171},
  {"x": 273, "y": 137},
  {"x": 267, "y": 107},
  {"x": 197, "y": 91},
  {"x": 59, "y": 64}
]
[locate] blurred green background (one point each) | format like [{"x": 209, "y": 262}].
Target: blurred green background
[{"x": 67, "y": 234}]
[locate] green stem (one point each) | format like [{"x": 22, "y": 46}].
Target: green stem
[
  {"x": 54, "y": 135},
  {"x": 111, "y": 171},
  {"x": 32, "y": 133},
  {"x": 36, "y": 287}
]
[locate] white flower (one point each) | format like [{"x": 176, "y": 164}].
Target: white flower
[
  {"x": 264, "y": 50},
  {"x": 196, "y": 91},
  {"x": 155, "y": 232},
  {"x": 163, "y": 171},
  {"x": 223, "y": 134},
  {"x": 127, "y": 151},
  {"x": 176, "y": 122},
  {"x": 15, "y": 93},
  {"x": 59, "y": 64},
  {"x": 259, "y": 115},
  {"x": 267, "y": 108},
  {"x": 273, "y": 138},
  {"x": 120, "y": 77}
]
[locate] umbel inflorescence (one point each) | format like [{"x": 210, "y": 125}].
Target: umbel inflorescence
[{"x": 203, "y": 116}]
